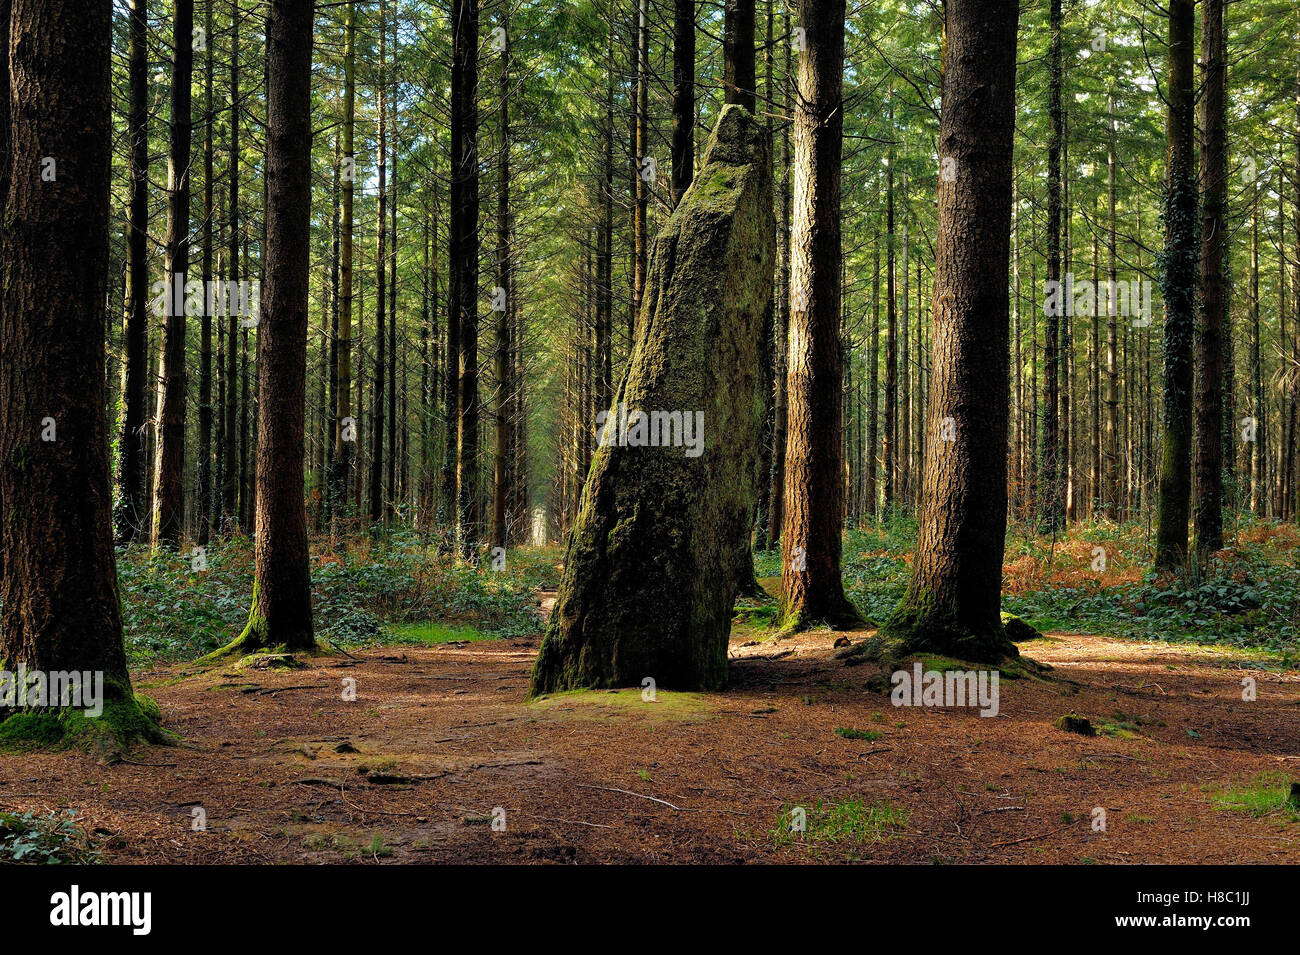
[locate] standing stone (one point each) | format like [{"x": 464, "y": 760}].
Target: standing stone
[{"x": 651, "y": 573}]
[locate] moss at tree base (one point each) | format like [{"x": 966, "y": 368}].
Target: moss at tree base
[
  {"x": 123, "y": 723},
  {"x": 912, "y": 630}
]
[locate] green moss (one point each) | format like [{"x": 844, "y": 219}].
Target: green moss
[
  {"x": 123, "y": 722},
  {"x": 431, "y": 633}
]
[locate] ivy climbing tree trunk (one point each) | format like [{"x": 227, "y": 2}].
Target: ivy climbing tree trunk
[
  {"x": 952, "y": 604},
  {"x": 1178, "y": 281},
  {"x": 651, "y": 572},
  {"x": 281, "y": 610},
  {"x": 814, "y": 487},
  {"x": 61, "y": 609},
  {"x": 1207, "y": 515}
]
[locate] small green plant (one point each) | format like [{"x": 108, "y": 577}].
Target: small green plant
[
  {"x": 847, "y": 733},
  {"x": 45, "y": 839}
]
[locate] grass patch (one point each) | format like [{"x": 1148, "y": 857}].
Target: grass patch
[
  {"x": 851, "y": 822},
  {"x": 431, "y": 633},
  {"x": 599, "y": 704},
  {"x": 1268, "y": 795}
]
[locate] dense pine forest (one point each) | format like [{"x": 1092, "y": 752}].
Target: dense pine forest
[{"x": 631, "y": 430}]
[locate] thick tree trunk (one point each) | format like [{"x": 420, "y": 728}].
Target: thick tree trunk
[
  {"x": 130, "y": 513},
  {"x": 169, "y": 462},
  {"x": 1207, "y": 515},
  {"x": 281, "y": 611},
  {"x": 1178, "y": 283},
  {"x": 651, "y": 572},
  {"x": 952, "y": 605},
  {"x": 810, "y": 575},
  {"x": 61, "y": 610}
]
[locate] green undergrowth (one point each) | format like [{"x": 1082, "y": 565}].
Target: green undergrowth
[
  {"x": 362, "y": 589},
  {"x": 851, "y": 822},
  {"x": 52, "y": 838}
]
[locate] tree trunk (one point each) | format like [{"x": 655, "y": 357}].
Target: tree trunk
[
  {"x": 169, "y": 461},
  {"x": 810, "y": 575},
  {"x": 381, "y": 300},
  {"x": 780, "y": 415},
  {"x": 683, "y": 97},
  {"x": 345, "y": 434},
  {"x": 952, "y": 605},
  {"x": 1050, "y": 481},
  {"x": 61, "y": 609},
  {"x": 502, "y": 361},
  {"x": 739, "y": 82},
  {"x": 1207, "y": 515},
  {"x": 463, "y": 259},
  {"x": 651, "y": 572},
  {"x": 1178, "y": 282},
  {"x": 281, "y": 610},
  {"x": 229, "y": 491},
  {"x": 203, "y": 491},
  {"x": 130, "y": 513}
]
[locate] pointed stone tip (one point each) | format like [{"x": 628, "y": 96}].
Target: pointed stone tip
[{"x": 737, "y": 138}]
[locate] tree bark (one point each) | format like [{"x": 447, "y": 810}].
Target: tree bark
[
  {"x": 1178, "y": 282},
  {"x": 61, "y": 608},
  {"x": 1207, "y": 514},
  {"x": 281, "y": 612},
  {"x": 130, "y": 512},
  {"x": 739, "y": 83},
  {"x": 683, "y": 97},
  {"x": 952, "y": 605},
  {"x": 169, "y": 461},
  {"x": 810, "y": 575}
]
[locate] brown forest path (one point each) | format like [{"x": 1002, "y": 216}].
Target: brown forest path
[{"x": 438, "y": 737}]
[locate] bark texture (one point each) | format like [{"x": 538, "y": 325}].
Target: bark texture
[
  {"x": 59, "y": 589},
  {"x": 651, "y": 571},
  {"x": 952, "y": 605}
]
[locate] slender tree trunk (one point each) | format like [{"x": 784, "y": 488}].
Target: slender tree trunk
[
  {"x": 169, "y": 462},
  {"x": 641, "y": 145},
  {"x": 58, "y": 588},
  {"x": 1259, "y": 446},
  {"x": 1207, "y": 514},
  {"x": 739, "y": 82},
  {"x": 1050, "y": 481},
  {"x": 130, "y": 512},
  {"x": 463, "y": 259},
  {"x": 229, "y": 492},
  {"x": 502, "y": 360},
  {"x": 780, "y": 347},
  {"x": 345, "y": 435},
  {"x": 952, "y": 605},
  {"x": 1111, "y": 496},
  {"x": 1179, "y": 281},
  {"x": 683, "y": 97},
  {"x": 281, "y": 609},
  {"x": 381, "y": 300},
  {"x": 811, "y": 585},
  {"x": 203, "y": 491}
]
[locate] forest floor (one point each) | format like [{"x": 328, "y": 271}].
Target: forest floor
[
  {"x": 440, "y": 743},
  {"x": 440, "y": 739}
]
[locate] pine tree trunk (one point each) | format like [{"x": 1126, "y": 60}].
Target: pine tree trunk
[
  {"x": 810, "y": 576},
  {"x": 169, "y": 462},
  {"x": 203, "y": 490},
  {"x": 58, "y": 589},
  {"x": 381, "y": 298},
  {"x": 1179, "y": 279},
  {"x": 738, "y": 81},
  {"x": 952, "y": 605},
  {"x": 503, "y": 364},
  {"x": 345, "y": 425},
  {"x": 1050, "y": 482},
  {"x": 1207, "y": 514},
  {"x": 683, "y": 97},
  {"x": 281, "y": 611},
  {"x": 463, "y": 259}
]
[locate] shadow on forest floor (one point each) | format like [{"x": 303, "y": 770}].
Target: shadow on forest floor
[{"x": 440, "y": 743}]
